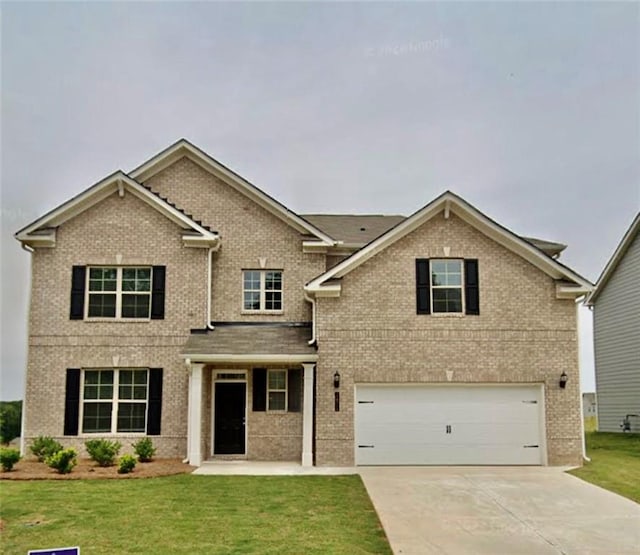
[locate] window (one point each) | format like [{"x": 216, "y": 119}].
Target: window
[
  {"x": 114, "y": 401},
  {"x": 277, "y": 390},
  {"x": 446, "y": 285},
  {"x": 262, "y": 290},
  {"x": 115, "y": 292}
]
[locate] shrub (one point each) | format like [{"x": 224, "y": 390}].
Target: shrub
[
  {"x": 45, "y": 446},
  {"x": 127, "y": 464},
  {"x": 63, "y": 461},
  {"x": 103, "y": 451},
  {"x": 144, "y": 449},
  {"x": 8, "y": 457},
  {"x": 10, "y": 420}
]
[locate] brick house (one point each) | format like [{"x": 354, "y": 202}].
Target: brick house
[{"x": 179, "y": 301}]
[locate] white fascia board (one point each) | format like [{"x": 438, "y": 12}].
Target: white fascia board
[
  {"x": 314, "y": 247},
  {"x": 323, "y": 290},
  {"x": 564, "y": 291},
  {"x": 201, "y": 242},
  {"x": 617, "y": 255},
  {"x": 470, "y": 215},
  {"x": 117, "y": 182},
  {"x": 206, "y": 162},
  {"x": 257, "y": 358}
]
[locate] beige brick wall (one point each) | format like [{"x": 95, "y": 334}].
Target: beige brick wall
[
  {"x": 140, "y": 235},
  {"x": 372, "y": 334},
  {"x": 248, "y": 233},
  {"x": 116, "y": 226},
  {"x": 271, "y": 436}
]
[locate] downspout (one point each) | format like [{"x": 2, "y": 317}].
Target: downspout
[
  {"x": 584, "y": 441},
  {"x": 209, "y": 326},
  {"x": 186, "y": 459},
  {"x": 23, "y": 416},
  {"x": 313, "y": 317}
]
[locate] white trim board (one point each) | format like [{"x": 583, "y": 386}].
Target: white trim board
[
  {"x": 466, "y": 212},
  {"x": 41, "y": 232}
]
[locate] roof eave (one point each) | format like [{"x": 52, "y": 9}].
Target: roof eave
[
  {"x": 448, "y": 203},
  {"x": 613, "y": 262}
]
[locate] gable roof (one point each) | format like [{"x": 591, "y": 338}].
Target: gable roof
[
  {"x": 449, "y": 202},
  {"x": 42, "y": 232},
  {"x": 184, "y": 148},
  {"x": 615, "y": 259},
  {"x": 356, "y": 230}
]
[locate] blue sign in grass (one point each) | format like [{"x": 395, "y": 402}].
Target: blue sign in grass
[{"x": 56, "y": 551}]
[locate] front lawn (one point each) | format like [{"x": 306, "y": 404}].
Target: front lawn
[
  {"x": 193, "y": 514},
  {"x": 615, "y": 463}
]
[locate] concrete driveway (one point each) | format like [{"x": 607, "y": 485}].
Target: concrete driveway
[{"x": 499, "y": 511}]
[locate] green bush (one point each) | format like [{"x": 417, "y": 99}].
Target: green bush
[
  {"x": 144, "y": 449},
  {"x": 10, "y": 420},
  {"x": 127, "y": 464},
  {"x": 8, "y": 457},
  {"x": 63, "y": 461},
  {"x": 103, "y": 451},
  {"x": 45, "y": 446}
]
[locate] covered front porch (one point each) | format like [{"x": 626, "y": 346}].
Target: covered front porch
[{"x": 251, "y": 393}]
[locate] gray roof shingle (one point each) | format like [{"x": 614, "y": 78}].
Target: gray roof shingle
[{"x": 276, "y": 339}]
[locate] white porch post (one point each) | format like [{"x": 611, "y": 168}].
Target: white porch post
[
  {"x": 194, "y": 430},
  {"x": 307, "y": 415}
]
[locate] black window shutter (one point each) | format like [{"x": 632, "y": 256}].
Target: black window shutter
[
  {"x": 294, "y": 389},
  {"x": 259, "y": 389},
  {"x": 157, "y": 293},
  {"x": 471, "y": 286},
  {"x": 78, "y": 283},
  {"x": 154, "y": 412},
  {"x": 72, "y": 402},
  {"x": 423, "y": 286}
]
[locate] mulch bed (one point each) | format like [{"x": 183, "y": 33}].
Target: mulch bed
[{"x": 88, "y": 470}]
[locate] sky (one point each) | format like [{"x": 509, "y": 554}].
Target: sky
[{"x": 531, "y": 112}]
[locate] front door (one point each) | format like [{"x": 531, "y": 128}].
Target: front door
[{"x": 229, "y": 418}]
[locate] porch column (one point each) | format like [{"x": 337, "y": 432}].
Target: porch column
[
  {"x": 307, "y": 415},
  {"x": 194, "y": 430}
]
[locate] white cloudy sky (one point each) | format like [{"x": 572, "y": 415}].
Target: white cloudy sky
[{"x": 529, "y": 111}]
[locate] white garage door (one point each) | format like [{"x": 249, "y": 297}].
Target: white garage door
[{"x": 443, "y": 425}]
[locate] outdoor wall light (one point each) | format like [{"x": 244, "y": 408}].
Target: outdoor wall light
[
  {"x": 563, "y": 380},
  {"x": 336, "y": 380}
]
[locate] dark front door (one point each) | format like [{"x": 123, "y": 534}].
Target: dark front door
[{"x": 230, "y": 406}]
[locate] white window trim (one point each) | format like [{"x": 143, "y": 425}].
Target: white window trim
[
  {"x": 118, "y": 293},
  {"x": 263, "y": 293},
  {"x": 432, "y": 287},
  {"x": 285, "y": 390},
  {"x": 115, "y": 400}
]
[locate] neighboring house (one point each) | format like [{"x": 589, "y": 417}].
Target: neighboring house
[
  {"x": 615, "y": 302},
  {"x": 181, "y": 302},
  {"x": 589, "y": 407},
  {"x": 589, "y": 412}
]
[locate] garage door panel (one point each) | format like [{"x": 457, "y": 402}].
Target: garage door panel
[{"x": 448, "y": 425}]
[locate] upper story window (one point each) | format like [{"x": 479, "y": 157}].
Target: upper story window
[
  {"x": 117, "y": 292},
  {"x": 447, "y": 286},
  {"x": 262, "y": 290}
]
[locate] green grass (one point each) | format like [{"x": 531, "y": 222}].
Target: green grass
[
  {"x": 615, "y": 463},
  {"x": 193, "y": 514}
]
